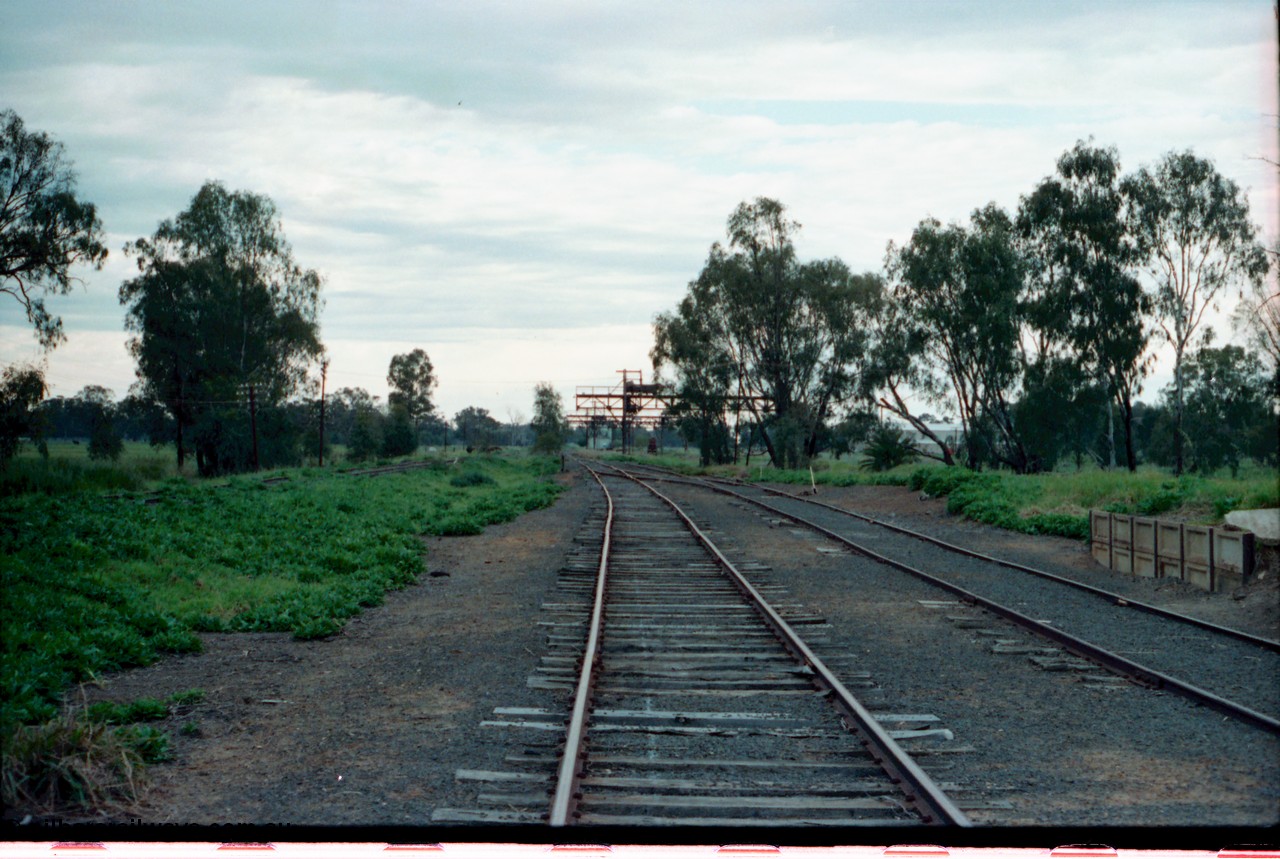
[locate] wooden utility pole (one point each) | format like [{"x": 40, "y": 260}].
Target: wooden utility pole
[
  {"x": 324, "y": 373},
  {"x": 253, "y": 424}
]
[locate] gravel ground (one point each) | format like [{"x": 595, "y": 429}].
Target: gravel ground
[
  {"x": 1228, "y": 667},
  {"x": 1064, "y": 752},
  {"x": 369, "y": 727}
]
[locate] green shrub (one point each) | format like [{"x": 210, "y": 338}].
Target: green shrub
[
  {"x": 112, "y": 713},
  {"x": 471, "y": 477},
  {"x": 151, "y": 744},
  {"x": 887, "y": 448}
]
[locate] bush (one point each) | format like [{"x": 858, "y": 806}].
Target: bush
[
  {"x": 398, "y": 435},
  {"x": 887, "y": 448},
  {"x": 471, "y": 477},
  {"x": 105, "y": 443}
]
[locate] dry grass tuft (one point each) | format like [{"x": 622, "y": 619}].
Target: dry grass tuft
[{"x": 69, "y": 764}]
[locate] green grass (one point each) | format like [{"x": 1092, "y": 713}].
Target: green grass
[
  {"x": 1054, "y": 503},
  {"x": 826, "y": 471},
  {"x": 1059, "y": 502},
  {"x": 69, "y": 469},
  {"x": 95, "y": 582}
]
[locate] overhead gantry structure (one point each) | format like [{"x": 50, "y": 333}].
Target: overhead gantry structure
[{"x": 632, "y": 403}]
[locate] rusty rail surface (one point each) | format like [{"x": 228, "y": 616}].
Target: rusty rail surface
[
  {"x": 564, "y": 801},
  {"x": 1109, "y": 660}
]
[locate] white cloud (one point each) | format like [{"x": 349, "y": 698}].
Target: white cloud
[{"x": 597, "y": 153}]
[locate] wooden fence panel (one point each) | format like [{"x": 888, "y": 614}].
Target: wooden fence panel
[{"x": 1212, "y": 558}]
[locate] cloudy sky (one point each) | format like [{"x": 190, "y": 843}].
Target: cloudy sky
[{"x": 519, "y": 187}]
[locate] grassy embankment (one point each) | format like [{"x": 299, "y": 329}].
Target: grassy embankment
[
  {"x": 95, "y": 581},
  {"x": 1053, "y": 503}
]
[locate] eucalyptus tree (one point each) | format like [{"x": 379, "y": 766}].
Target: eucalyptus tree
[
  {"x": 1085, "y": 299},
  {"x": 956, "y": 330},
  {"x": 781, "y": 336},
  {"x": 44, "y": 228},
  {"x": 223, "y": 318},
  {"x": 693, "y": 340},
  {"x": 411, "y": 378},
  {"x": 1193, "y": 229},
  {"x": 550, "y": 428}
]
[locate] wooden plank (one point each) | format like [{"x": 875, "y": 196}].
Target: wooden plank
[
  {"x": 537, "y": 800},
  {"x": 717, "y": 731},
  {"x": 681, "y": 800},
  {"x": 922, "y": 733},
  {"x": 484, "y": 815},
  {"x": 695, "y": 715},
  {"x": 850, "y": 788},
  {"x": 718, "y": 690},
  {"x": 658, "y": 820},
  {"x": 728, "y": 763},
  {"x": 493, "y": 775}
]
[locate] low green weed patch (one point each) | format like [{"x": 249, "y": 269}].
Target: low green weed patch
[
  {"x": 95, "y": 582},
  {"x": 1058, "y": 503}
]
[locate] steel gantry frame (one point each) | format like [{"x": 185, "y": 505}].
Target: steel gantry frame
[{"x": 631, "y": 403}]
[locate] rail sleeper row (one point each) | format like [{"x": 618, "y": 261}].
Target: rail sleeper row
[{"x": 699, "y": 715}]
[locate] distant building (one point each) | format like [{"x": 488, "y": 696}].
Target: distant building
[{"x": 951, "y": 434}]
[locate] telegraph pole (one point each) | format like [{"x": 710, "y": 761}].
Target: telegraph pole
[
  {"x": 324, "y": 373},
  {"x": 253, "y": 424}
]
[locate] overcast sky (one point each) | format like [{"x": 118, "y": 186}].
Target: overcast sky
[{"x": 518, "y": 188}]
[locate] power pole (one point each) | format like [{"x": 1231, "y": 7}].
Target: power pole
[
  {"x": 253, "y": 424},
  {"x": 324, "y": 373}
]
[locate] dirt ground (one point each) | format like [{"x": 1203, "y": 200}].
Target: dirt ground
[{"x": 369, "y": 726}]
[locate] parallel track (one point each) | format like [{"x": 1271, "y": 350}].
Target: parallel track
[
  {"x": 657, "y": 734},
  {"x": 792, "y": 507}
]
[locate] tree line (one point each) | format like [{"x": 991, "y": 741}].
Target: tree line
[
  {"x": 224, "y": 329},
  {"x": 1035, "y": 329}
]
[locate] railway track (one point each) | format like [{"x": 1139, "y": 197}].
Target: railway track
[
  {"x": 695, "y": 701},
  {"x": 1223, "y": 668}
]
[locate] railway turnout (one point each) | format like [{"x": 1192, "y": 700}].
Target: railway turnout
[{"x": 696, "y": 702}]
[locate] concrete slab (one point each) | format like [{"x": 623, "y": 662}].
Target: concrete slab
[{"x": 1265, "y": 524}]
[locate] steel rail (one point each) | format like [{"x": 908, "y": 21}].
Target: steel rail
[
  {"x": 1115, "y": 598},
  {"x": 922, "y": 794},
  {"x": 566, "y": 797},
  {"x": 1080, "y": 647}
]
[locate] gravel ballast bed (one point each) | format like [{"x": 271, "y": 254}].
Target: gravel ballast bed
[
  {"x": 1228, "y": 667},
  {"x": 1061, "y": 751}
]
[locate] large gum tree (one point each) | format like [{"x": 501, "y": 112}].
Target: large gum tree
[
  {"x": 44, "y": 229},
  {"x": 1192, "y": 226},
  {"x": 760, "y": 327},
  {"x": 221, "y": 317}
]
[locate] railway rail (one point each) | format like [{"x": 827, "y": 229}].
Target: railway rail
[
  {"x": 696, "y": 702},
  {"x": 1215, "y": 666}
]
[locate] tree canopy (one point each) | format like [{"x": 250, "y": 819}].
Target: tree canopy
[
  {"x": 779, "y": 336},
  {"x": 549, "y": 425},
  {"x": 412, "y": 379},
  {"x": 44, "y": 228},
  {"x": 1192, "y": 226},
  {"x": 223, "y": 320}
]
